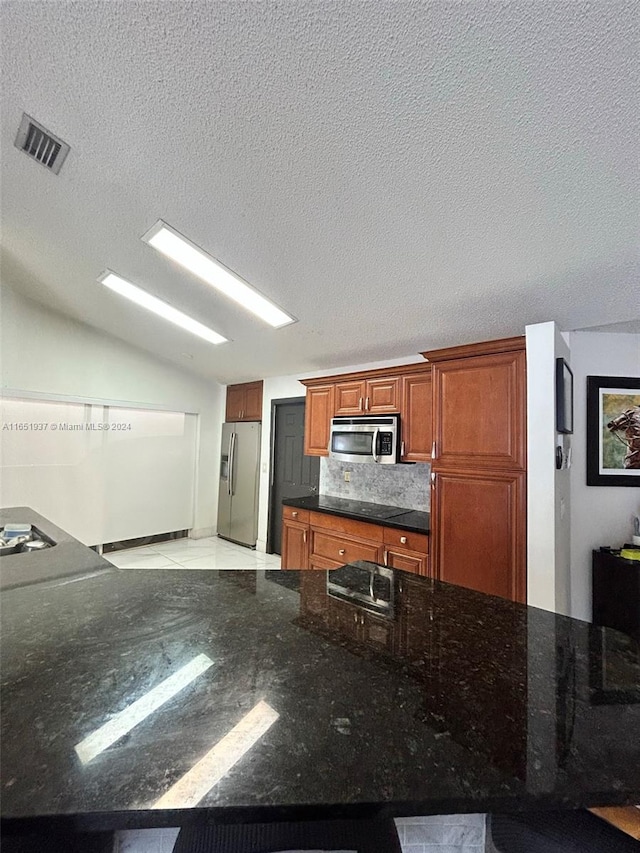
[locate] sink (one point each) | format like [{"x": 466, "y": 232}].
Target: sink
[{"x": 34, "y": 534}]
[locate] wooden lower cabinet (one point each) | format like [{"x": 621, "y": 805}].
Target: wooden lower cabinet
[
  {"x": 479, "y": 536},
  {"x": 406, "y": 550},
  {"x": 312, "y": 540},
  {"x": 408, "y": 561},
  {"x": 295, "y": 544}
]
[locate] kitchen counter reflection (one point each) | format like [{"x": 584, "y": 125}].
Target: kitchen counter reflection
[{"x": 296, "y": 704}]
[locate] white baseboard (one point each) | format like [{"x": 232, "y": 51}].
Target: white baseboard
[
  {"x": 261, "y": 545},
  {"x": 202, "y": 532}
]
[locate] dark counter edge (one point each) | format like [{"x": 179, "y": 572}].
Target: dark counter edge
[
  {"x": 307, "y": 503},
  {"x": 159, "y": 818}
]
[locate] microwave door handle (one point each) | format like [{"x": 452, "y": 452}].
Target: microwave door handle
[
  {"x": 374, "y": 445},
  {"x": 371, "y": 592}
]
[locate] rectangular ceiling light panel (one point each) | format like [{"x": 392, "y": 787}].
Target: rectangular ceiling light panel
[
  {"x": 172, "y": 244},
  {"x": 127, "y": 719},
  {"x": 162, "y": 309}
]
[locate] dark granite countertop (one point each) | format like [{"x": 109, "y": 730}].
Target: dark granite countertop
[
  {"x": 67, "y": 557},
  {"x": 387, "y": 516},
  {"x": 460, "y": 702}
]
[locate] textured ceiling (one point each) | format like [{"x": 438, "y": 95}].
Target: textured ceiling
[{"x": 398, "y": 176}]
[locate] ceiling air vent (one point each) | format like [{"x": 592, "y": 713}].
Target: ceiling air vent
[{"x": 36, "y": 141}]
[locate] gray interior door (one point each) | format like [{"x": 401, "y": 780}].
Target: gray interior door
[{"x": 294, "y": 474}]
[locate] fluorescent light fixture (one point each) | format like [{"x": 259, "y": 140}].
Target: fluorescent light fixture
[
  {"x": 162, "y": 309},
  {"x": 191, "y": 788},
  {"x": 172, "y": 244},
  {"x": 125, "y": 720}
]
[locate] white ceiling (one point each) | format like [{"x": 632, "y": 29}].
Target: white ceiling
[{"x": 398, "y": 176}]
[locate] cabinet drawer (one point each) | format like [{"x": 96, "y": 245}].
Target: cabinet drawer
[
  {"x": 295, "y": 514},
  {"x": 348, "y": 526},
  {"x": 406, "y": 539},
  {"x": 342, "y": 550}
]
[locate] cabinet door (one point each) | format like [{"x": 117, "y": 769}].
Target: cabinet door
[
  {"x": 252, "y": 410},
  {"x": 295, "y": 545},
  {"x": 479, "y": 412},
  {"x": 408, "y": 561},
  {"x": 417, "y": 429},
  {"x": 235, "y": 402},
  {"x": 350, "y": 397},
  {"x": 382, "y": 395},
  {"x": 317, "y": 419},
  {"x": 478, "y": 523}
]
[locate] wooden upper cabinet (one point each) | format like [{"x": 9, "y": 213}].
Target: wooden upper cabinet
[
  {"x": 350, "y": 398},
  {"x": 416, "y": 429},
  {"x": 253, "y": 401},
  {"x": 479, "y": 412},
  {"x": 478, "y": 524},
  {"x": 235, "y": 402},
  {"x": 244, "y": 402},
  {"x": 319, "y": 410},
  {"x": 368, "y": 396},
  {"x": 382, "y": 395},
  {"x": 374, "y": 392}
]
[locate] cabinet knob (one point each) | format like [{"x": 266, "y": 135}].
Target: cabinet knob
[
  {"x": 294, "y": 515},
  {"x": 341, "y": 551},
  {"x": 403, "y": 540}
]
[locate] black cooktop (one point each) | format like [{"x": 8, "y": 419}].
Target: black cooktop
[
  {"x": 399, "y": 517},
  {"x": 359, "y": 507}
]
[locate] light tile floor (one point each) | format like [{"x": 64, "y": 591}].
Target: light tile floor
[
  {"x": 433, "y": 834},
  {"x": 209, "y": 553}
]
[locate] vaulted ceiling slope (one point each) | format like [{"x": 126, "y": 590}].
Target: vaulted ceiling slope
[{"x": 397, "y": 176}]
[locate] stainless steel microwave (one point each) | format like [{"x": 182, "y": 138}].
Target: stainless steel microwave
[{"x": 366, "y": 439}]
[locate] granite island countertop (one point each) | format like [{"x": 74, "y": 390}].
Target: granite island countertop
[
  {"x": 67, "y": 557},
  {"x": 386, "y": 516},
  {"x": 459, "y": 702}
]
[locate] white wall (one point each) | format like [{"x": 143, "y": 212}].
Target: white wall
[
  {"x": 548, "y": 490},
  {"x": 282, "y": 387},
  {"x": 50, "y": 354},
  {"x": 600, "y": 515}
]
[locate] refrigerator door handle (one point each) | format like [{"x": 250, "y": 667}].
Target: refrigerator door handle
[{"x": 232, "y": 444}]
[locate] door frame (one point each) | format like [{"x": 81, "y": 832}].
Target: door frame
[{"x": 272, "y": 458}]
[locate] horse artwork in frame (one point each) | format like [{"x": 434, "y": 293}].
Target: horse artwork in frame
[{"x": 613, "y": 431}]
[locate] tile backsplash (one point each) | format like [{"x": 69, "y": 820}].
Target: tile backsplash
[{"x": 396, "y": 485}]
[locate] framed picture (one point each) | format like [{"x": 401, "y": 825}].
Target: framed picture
[
  {"x": 613, "y": 431},
  {"x": 564, "y": 397}
]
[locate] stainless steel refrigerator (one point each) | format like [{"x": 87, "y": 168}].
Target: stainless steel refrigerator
[{"x": 238, "y": 493}]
